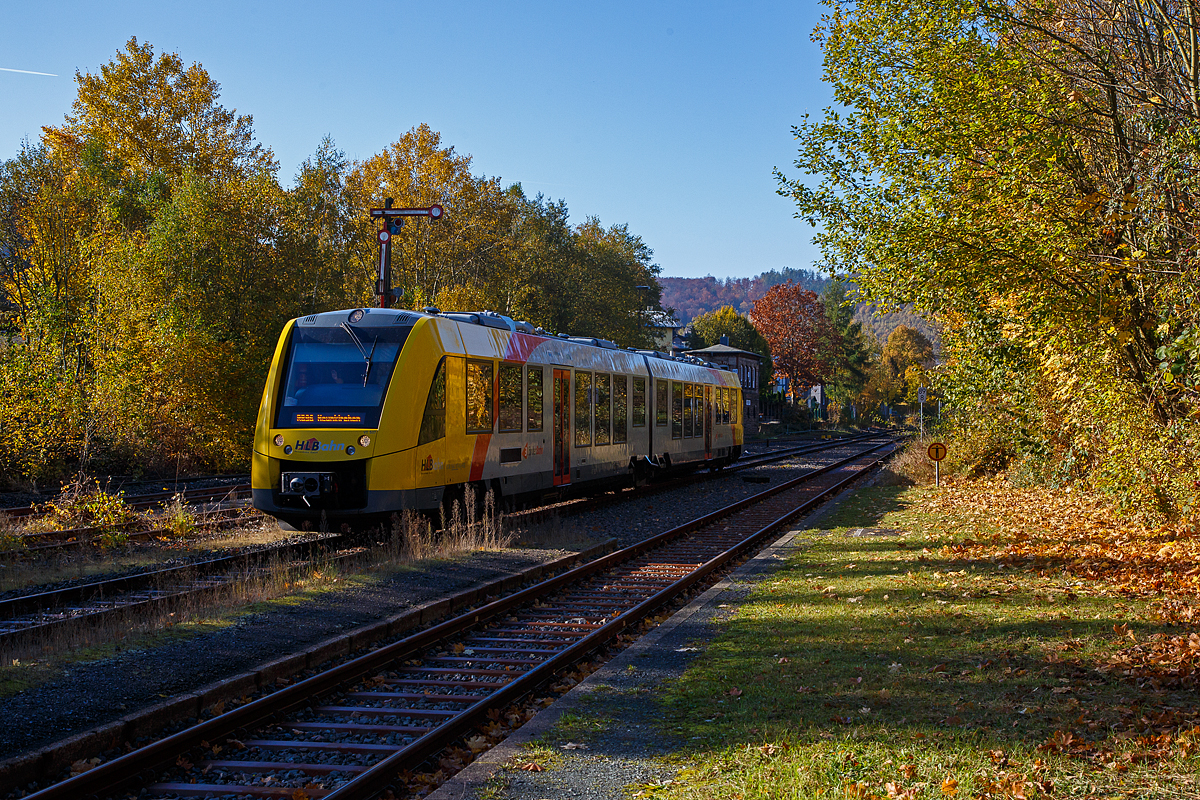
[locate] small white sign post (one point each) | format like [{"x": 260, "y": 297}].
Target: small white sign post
[{"x": 921, "y": 401}]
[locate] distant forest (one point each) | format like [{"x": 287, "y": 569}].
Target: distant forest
[{"x": 691, "y": 297}]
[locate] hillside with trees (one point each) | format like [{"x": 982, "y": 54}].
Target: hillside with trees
[
  {"x": 694, "y": 297},
  {"x": 691, "y": 297}
]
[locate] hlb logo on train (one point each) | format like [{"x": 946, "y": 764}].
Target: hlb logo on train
[
  {"x": 427, "y": 464},
  {"x": 315, "y": 444}
]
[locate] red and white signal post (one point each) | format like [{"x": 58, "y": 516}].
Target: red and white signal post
[{"x": 393, "y": 220}]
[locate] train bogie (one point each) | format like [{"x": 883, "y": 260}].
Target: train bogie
[{"x": 373, "y": 411}]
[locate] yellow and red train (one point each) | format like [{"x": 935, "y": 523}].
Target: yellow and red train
[{"x": 367, "y": 412}]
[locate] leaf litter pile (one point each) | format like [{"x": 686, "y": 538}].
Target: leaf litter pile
[{"x": 976, "y": 641}]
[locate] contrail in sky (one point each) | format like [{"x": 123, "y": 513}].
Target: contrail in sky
[{"x": 28, "y": 72}]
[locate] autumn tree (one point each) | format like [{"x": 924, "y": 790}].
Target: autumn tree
[
  {"x": 149, "y": 257},
  {"x": 154, "y": 115},
  {"x": 805, "y": 347},
  {"x": 707, "y": 330},
  {"x": 1020, "y": 172},
  {"x": 901, "y": 368}
]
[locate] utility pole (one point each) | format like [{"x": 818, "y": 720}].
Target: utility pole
[{"x": 393, "y": 221}]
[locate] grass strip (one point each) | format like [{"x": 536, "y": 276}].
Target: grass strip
[{"x": 882, "y": 662}]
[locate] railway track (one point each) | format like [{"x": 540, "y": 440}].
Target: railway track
[
  {"x": 350, "y": 731},
  {"x": 38, "y": 614},
  {"x": 43, "y": 542},
  {"x": 747, "y": 462},
  {"x": 35, "y": 616},
  {"x": 145, "y": 501}
]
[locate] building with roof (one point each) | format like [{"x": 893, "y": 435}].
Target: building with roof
[
  {"x": 664, "y": 330},
  {"x": 748, "y": 367}
]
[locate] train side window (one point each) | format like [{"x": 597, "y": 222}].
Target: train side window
[
  {"x": 583, "y": 409},
  {"x": 639, "y": 402},
  {"x": 510, "y": 397},
  {"x": 676, "y": 410},
  {"x": 688, "y": 430},
  {"x": 603, "y": 408},
  {"x": 533, "y": 397},
  {"x": 620, "y": 409},
  {"x": 735, "y": 398},
  {"x": 433, "y": 421},
  {"x": 662, "y": 403},
  {"x": 725, "y": 406},
  {"x": 480, "y": 395}
]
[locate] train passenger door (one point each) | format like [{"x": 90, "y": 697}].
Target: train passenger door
[
  {"x": 708, "y": 421},
  {"x": 562, "y": 427}
]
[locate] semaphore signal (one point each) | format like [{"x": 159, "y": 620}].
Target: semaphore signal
[{"x": 393, "y": 221}]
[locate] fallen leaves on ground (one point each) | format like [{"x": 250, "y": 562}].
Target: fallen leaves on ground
[{"x": 1044, "y": 531}]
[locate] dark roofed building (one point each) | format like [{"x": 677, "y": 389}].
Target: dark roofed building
[{"x": 747, "y": 366}]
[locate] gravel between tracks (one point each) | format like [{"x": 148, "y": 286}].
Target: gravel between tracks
[{"x": 91, "y": 694}]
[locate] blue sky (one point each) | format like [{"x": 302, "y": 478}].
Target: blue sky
[{"x": 665, "y": 116}]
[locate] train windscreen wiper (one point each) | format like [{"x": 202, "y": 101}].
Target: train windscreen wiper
[
  {"x": 366, "y": 356},
  {"x": 370, "y": 360}
]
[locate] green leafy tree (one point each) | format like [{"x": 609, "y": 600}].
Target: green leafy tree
[
  {"x": 849, "y": 375},
  {"x": 1021, "y": 170},
  {"x": 707, "y": 330}
]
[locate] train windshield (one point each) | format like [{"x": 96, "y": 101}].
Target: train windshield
[{"x": 337, "y": 377}]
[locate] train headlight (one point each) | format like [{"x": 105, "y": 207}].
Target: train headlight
[
  {"x": 350, "y": 450},
  {"x": 279, "y": 440},
  {"x": 287, "y": 450},
  {"x": 364, "y": 440}
]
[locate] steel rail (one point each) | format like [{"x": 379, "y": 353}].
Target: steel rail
[
  {"x": 129, "y": 767},
  {"x": 585, "y": 504},
  {"x": 72, "y": 538},
  {"x": 381, "y": 775}
]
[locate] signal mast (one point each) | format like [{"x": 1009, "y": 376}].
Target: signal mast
[{"x": 393, "y": 221}]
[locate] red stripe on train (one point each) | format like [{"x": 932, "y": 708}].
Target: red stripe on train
[
  {"x": 520, "y": 346},
  {"x": 479, "y": 457}
]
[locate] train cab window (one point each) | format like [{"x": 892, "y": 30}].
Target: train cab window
[
  {"x": 480, "y": 394},
  {"x": 433, "y": 421},
  {"x": 676, "y": 410},
  {"x": 510, "y": 397},
  {"x": 583, "y": 409},
  {"x": 620, "y": 408},
  {"x": 603, "y": 408},
  {"x": 688, "y": 430},
  {"x": 639, "y": 402},
  {"x": 662, "y": 403},
  {"x": 533, "y": 398},
  {"x": 337, "y": 377}
]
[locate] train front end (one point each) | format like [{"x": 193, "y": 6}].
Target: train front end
[{"x": 335, "y": 419}]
